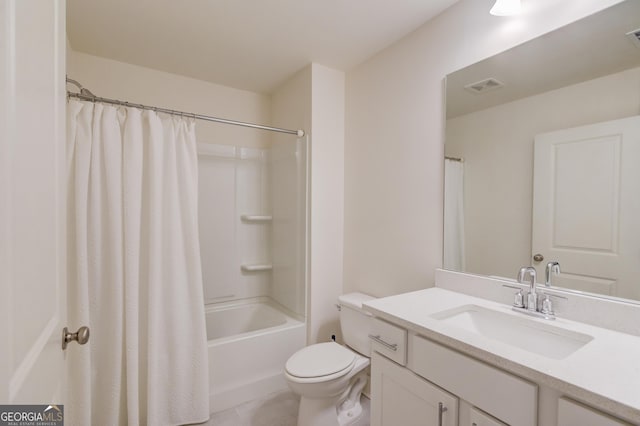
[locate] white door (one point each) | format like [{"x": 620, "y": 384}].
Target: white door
[
  {"x": 586, "y": 206},
  {"x": 32, "y": 201}
]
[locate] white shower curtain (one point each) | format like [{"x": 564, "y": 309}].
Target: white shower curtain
[
  {"x": 134, "y": 269},
  {"x": 454, "y": 258}
]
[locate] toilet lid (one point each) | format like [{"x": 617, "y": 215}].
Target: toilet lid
[{"x": 319, "y": 360}]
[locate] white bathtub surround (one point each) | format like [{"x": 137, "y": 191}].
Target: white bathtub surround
[
  {"x": 249, "y": 343},
  {"x": 288, "y": 195},
  {"x": 233, "y": 183},
  {"x": 253, "y": 221},
  {"x": 252, "y": 211},
  {"x": 135, "y": 277}
]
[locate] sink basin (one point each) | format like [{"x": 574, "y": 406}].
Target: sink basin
[{"x": 532, "y": 336}]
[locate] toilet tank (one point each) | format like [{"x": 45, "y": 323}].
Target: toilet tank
[{"x": 355, "y": 322}]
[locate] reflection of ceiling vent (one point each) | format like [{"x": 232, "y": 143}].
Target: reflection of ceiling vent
[
  {"x": 483, "y": 86},
  {"x": 634, "y": 36}
]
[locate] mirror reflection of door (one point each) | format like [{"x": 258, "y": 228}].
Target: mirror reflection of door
[
  {"x": 585, "y": 206},
  {"x": 584, "y": 73}
]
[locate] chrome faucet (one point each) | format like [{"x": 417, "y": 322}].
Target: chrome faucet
[
  {"x": 531, "y": 308},
  {"x": 552, "y": 267},
  {"x": 532, "y": 296},
  {"x": 547, "y": 305}
]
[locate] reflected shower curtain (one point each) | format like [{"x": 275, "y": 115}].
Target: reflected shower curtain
[
  {"x": 454, "y": 215},
  {"x": 134, "y": 269}
]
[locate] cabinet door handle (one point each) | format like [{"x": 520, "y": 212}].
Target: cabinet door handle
[
  {"x": 393, "y": 347},
  {"x": 441, "y": 410}
]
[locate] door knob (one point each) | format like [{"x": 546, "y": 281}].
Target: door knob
[
  {"x": 81, "y": 336},
  {"x": 538, "y": 257}
]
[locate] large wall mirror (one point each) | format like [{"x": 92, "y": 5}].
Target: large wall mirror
[{"x": 543, "y": 158}]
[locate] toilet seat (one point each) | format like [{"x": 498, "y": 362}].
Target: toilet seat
[{"x": 321, "y": 361}]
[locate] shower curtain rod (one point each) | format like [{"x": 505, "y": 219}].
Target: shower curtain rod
[{"x": 86, "y": 95}]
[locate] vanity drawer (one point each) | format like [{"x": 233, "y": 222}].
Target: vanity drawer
[
  {"x": 389, "y": 340},
  {"x": 507, "y": 397}
]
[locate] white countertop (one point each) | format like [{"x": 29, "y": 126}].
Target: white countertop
[{"x": 604, "y": 373}]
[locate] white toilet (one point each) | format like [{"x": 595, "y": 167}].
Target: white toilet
[{"x": 330, "y": 377}]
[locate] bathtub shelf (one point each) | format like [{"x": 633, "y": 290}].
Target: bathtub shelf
[
  {"x": 256, "y": 218},
  {"x": 256, "y": 267}
]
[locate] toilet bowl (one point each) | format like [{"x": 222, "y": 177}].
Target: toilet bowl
[{"x": 330, "y": 377}]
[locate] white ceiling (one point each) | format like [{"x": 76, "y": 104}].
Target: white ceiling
[
  {"x": 249, "y": 44},
  {"x": 589, "y": 48}
]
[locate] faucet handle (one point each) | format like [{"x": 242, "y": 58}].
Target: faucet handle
[
  {"x": 518, "y": 298},
  {"x": 552, "y": 268},
  {"x": 547, "y": 304}
]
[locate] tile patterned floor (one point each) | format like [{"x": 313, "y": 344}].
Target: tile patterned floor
[{"x": 278, "y": 409}]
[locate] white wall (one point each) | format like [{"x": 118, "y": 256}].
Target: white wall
[
  {"x": 394, "y": 138},
  {"x": 291, "y": 104},
  {"x": 497, "y": 145},
  {"x": 327, "y": 201},
  {"x": 113, "y": 79},
  {"x": 315, "y": 97},
  {"x": 290, "y": 108}
]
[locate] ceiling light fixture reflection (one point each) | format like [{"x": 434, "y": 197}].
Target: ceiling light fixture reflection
[{"x": 506, "y": 8}]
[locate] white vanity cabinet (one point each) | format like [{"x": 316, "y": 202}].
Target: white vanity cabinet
[
  {"x": 480, "y": 418},
  {"x": 417, "y": 381},
  {"x": 571, "y": 413},
  {"x": 400, "y": 397},
  {"x": 506, "y": 397},
  {"x": 438, "y": 385},
  {"x": 441, "y": 387}
]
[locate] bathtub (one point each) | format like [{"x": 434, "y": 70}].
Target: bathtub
[{"x": 249, "y": 342}]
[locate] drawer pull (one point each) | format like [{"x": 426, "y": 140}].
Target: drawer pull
[
  {"x": 441, "y": 411},
  {"x": 393, "y": 347}
]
